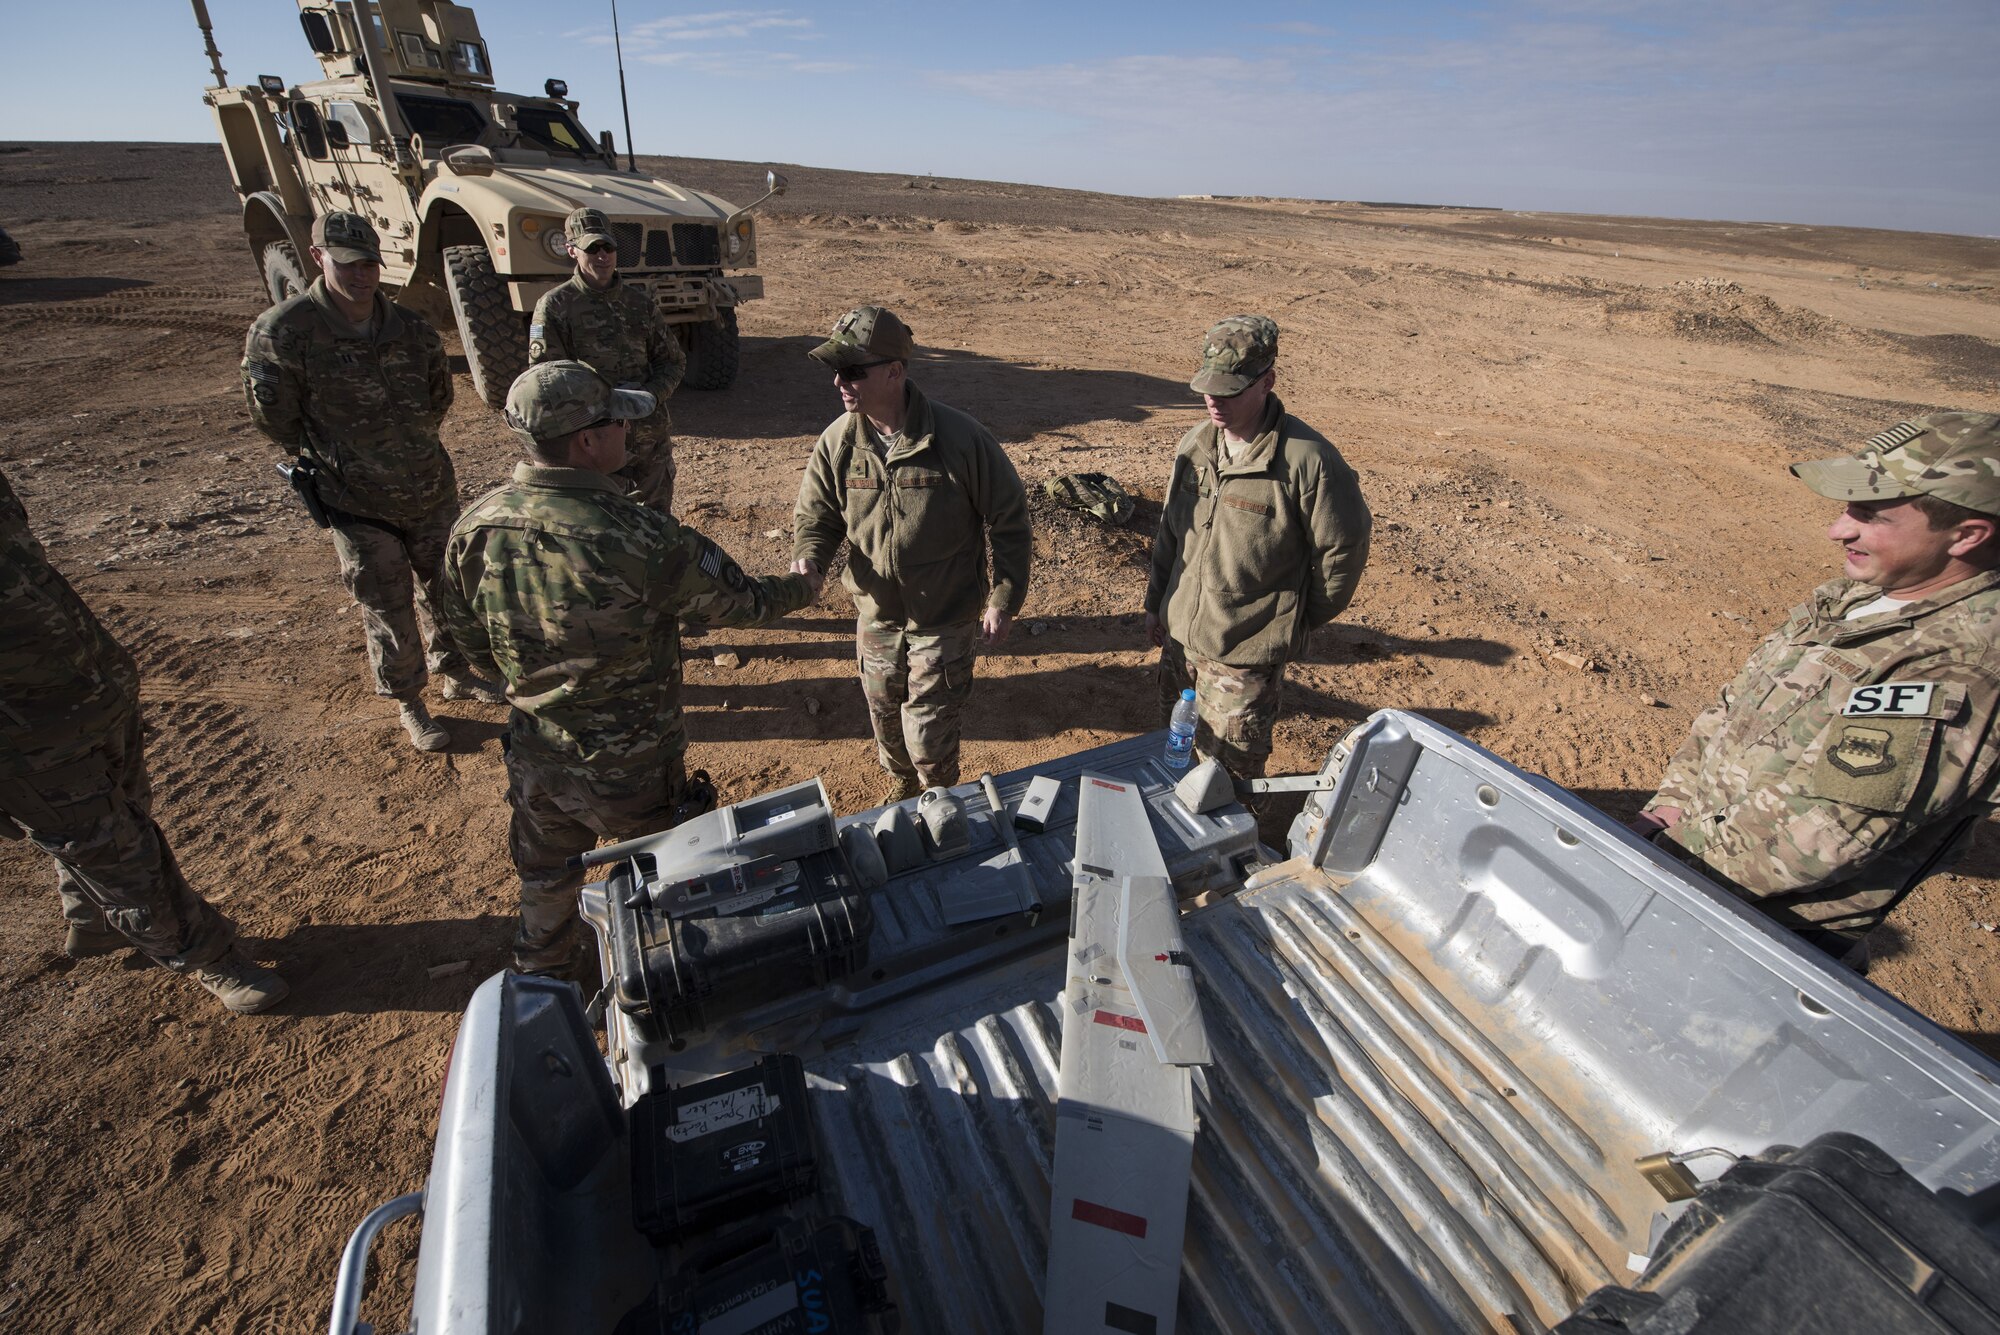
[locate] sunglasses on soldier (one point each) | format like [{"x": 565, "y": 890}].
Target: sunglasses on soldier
[
  {"x": 856, "y": 372},
  {"x": 597, "y": 247}
]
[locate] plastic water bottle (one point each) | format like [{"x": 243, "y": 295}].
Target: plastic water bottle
[{"x": 1180, "y": 733}]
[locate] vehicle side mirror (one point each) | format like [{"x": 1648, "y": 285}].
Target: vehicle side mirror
[
  {"x": 774, "y": 184},
  {"x": 336, "y": 134},
  {"x": 469, "y": 160},
  {"x": 319, "y": 33}
]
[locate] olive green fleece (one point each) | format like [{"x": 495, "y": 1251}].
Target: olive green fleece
[
  {"x": 918, "y": 521},
  {"x": 1251, "y": 557}
]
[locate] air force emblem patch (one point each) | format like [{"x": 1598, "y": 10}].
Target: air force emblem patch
[
  {"x": 1862, "y": 751},
  {"x": 1890, "y": 699}
]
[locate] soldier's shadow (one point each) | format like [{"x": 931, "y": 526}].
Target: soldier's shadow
[
  {"x": 24, "y": 289},
  {"x": 780, "y": 393},
  {"x": 1095, "y": 695},
  {"x": 352, "y": 968}
]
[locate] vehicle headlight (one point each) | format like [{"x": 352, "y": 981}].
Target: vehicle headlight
[
  {"x": 548, "y": 231},
  {"x": 740, "y": 237}
]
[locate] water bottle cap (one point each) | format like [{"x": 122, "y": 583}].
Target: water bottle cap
[{"x": 1187, "y": 693}]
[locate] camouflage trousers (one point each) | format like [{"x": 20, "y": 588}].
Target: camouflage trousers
[
  {"x": 92, "y": 814},
  {"x": 916, "y": 687},
  {"x": 394, "y": 577},
  {"x": 649, "y": 468},
  {"x": 1237, "y": 707},
  {"x": 559, "y": 813}
]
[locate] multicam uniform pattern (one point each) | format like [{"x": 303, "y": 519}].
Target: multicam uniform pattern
[
  {"x": 366, "y": 410},
  {"x": 1826, "y": 815},
  {"x": 72, "y": 774},
  {"x": 917, "y": 519},
  {"x": 572, "y": 594},
  {"x": 621, "y": 332},
  {"x": 916, "y": 687},
  {"x": 1249, "y": 558},
  {"x": 1236, "y": 708}
]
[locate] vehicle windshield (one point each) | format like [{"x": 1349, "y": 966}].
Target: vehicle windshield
[
  {"x": 442, "y": 121},
  {"x": 551, "y": 128}
]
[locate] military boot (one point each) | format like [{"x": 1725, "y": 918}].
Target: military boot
[
  {"x": 86, "y": 941},
  {"x": 243, "y": 986},
  {"x": 426, "y": 733},
  {"x": 902, "y": 788},
  {"x": 468, "y": 688}
]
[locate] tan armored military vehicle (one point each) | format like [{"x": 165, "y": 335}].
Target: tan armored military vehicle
[{"x": 467, "y": 185}]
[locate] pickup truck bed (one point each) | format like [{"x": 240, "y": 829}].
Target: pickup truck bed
[{"x": 1444, "y": 1031}]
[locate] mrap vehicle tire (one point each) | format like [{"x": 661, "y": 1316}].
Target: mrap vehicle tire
[
  {"x": 284, "y": 276},
  {"x": 712, "y": 349},
  {"x": 496, "y": 344}
]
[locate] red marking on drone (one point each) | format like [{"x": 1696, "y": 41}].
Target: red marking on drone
[{"x": 1089, "y": 1212}]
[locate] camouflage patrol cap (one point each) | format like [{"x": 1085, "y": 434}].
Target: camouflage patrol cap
[
  {"x": 1952, "y": 456},
  {"x": 584, "y": 226},
  {"x": 348, "y": 237},
  {"x": 1234, "y": 353},
  {"x": 866, "y": 334},
  {"x": 552, "y": 399}
]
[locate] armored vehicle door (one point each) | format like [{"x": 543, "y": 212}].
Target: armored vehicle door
[{"x": 358, "y": 172}]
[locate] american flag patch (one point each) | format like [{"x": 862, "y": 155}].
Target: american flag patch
[
  {"x": 1895, "y": 435},
  {"x": 711, "y": 562},
  {"x": 535, "y": 333}
]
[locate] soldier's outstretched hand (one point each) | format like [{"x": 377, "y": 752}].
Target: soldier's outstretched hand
[{"x": 994, "y": 625}]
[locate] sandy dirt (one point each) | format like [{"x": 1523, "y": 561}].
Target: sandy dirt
[{"x": 1573, "y": 433}]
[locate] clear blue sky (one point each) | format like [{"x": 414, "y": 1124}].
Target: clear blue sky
[{"x": 1871, "y": 114}]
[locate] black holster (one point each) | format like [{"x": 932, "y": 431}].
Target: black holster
[
  {"x": 300, "y": 473},
  {"x": 698, "y": 796}
]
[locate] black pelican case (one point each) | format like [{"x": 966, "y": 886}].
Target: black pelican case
[{"x": 800, "y": 923}]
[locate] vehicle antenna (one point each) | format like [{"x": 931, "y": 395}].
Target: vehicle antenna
[
  {"x": 631, "y": 164},
  {"x": 208, "y": 36}
]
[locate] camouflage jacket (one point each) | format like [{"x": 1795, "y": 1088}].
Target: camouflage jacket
[
  {"x": 63, "y": 679},
  {"x": 365, "y": 409},
  {"x": 1251, "y": 558},
  {"x": 917, "y": 522},
  {"x": 573, "y": 595},
  {"x": 619, "y": 331},
  {"x": 1848, "y": 759}
]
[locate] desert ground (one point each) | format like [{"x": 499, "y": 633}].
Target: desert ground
[{"x": 1573, "y": 432}]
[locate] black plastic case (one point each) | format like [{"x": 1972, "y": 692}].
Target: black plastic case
[
  {"x": 711, "y": 1154},
  {"x": 681, "y": 974},
  {"x": 1832, "y": 1239},
  {"x": 820, "y": 1276}
]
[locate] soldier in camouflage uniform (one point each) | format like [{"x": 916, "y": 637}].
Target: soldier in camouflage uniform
[
  {"x": 597, "y": 318},
  {"x": 73, "y": 779},
  {"x": 1857, "y": 749},
  {"x": 574, "y": 593},
  {"x": 1261, "y": 541},
  {"x": 919, "y": 491},
  {"x": 357, "y": 385}
]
